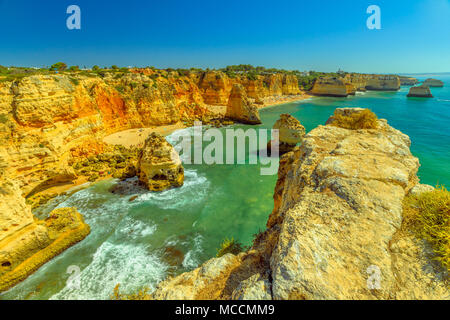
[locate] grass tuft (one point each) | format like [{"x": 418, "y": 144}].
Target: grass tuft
[
  {"x": 229, "y": 246},
  {"x": 140, "y": 295},
  {"x": 428, "y": 216},
  {"x": 365, "y": 119}
]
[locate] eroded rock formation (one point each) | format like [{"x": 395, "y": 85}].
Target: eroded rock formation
[
  {"x": 328, "y": 86},
  {"x": 27, "y": 243},
  {"x": 240, "y": 108},
  {"x": 159, "y": 165},
  {"x": 408, "y": 81},
  {"x": 353, "y": 82},
  {"x": 336, "y": 229},
  {"x": 291, "y": 133},
  {"x": 383, "y": 83},
  {"x": 52, "y": 129},
  {"x": 422, "y": 91}
]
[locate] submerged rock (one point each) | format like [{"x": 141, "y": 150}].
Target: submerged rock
[
  {"x": 240, "y": 108},
  {"x": 159, "y": 164},
  {"x": 422, "y": 91},
  {"x": 291, "y": 132}
]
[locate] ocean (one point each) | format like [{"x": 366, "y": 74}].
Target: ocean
[{"x": 137, "y": 244}]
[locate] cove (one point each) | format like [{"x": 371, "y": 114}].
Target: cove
[{"x": 140, "y": 243}]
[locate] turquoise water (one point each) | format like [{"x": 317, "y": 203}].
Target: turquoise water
[{"x": 139, "y": 243}]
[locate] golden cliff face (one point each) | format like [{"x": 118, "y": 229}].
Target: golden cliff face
[
  {"x": 353, "y": 82},
  {"x": 27, "y": 243},
  {"x": 330, "y": 87},
  {"x": 45, "y": 119}
]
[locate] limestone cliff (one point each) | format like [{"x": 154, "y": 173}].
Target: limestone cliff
[
  {"x": 353, "y": 82},
  {"x": 27, "y": 243},
  {"x": 327, "y": 86},
  {"x": 408, "y": 81},
  {"x": 240, "y": 108},
  {"x": 335, "y": 231},
  {"x": 383, "y": 83},
  {"x": 52, "y": 129}
]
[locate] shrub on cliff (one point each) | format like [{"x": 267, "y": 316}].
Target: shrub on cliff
[
  {"x": 59, "y": 66},
  {"x": 365, "y": 119},
  {"x": 428, "y": 216},
  {"x": 140, "y": 295},
  {"x": 229, "y": 246}
]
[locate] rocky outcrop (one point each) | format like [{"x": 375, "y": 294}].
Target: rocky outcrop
[
  {"x": 336, "y": 229},
  {"x": 159, "y": 165},
  {"x": 422, "y": 91},
  {"x": 291, "y": 133},
  {"x": 27, "y": 243},
  {"x": 333, "y": 87},
  {"x": 363, "y": 82},
  {"x": 240, "y": 108},
  {"x": 433, "y": 83},
  {"x": 383, "y": 83},
  {"x": 408, "y": 81}
]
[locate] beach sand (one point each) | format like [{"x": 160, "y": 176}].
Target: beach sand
[{"x": 136, "y": 137}]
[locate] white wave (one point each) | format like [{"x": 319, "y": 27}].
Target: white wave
[
  {"x": 193, "y": 191},
  {"x": 191, "y": 258},
  {"x": 134, "y": 229},
  {"x": 174, "y": 137},
  {"x": 129, "y": 265}
]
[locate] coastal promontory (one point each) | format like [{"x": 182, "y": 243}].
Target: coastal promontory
[{"x": 337, "y": 229}]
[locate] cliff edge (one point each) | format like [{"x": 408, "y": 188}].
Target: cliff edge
[{"x": 336, "y": 229}]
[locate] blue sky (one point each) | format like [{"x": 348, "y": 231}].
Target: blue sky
[{"x": 306, "y": 35}]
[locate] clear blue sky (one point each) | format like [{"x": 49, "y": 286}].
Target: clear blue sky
[{"x": 321, "y": 35}]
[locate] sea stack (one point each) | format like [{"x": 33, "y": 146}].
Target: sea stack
[
  {"x": 159, "y": 164},
  {"x": 433, "y": 83},
  {"x": 291, "y": 132},
  {"x": 240, "y": 108},
  {"x": 422, "y": 91},
  {"x": 330, "y": 86}
]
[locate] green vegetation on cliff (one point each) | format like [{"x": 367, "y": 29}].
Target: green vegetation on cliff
[{"x": 428, "y": 216}]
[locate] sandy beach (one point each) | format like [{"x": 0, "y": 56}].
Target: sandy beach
[
  {"x": 136, "y": 137},
  {"x": 277, "y": 100}
]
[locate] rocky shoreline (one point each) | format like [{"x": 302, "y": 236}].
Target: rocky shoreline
[
  {"x": 337, "y": 219},
  {"x": 53, "y": 129}
]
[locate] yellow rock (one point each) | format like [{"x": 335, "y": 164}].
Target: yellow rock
[{"x": 159, "y": 165}]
